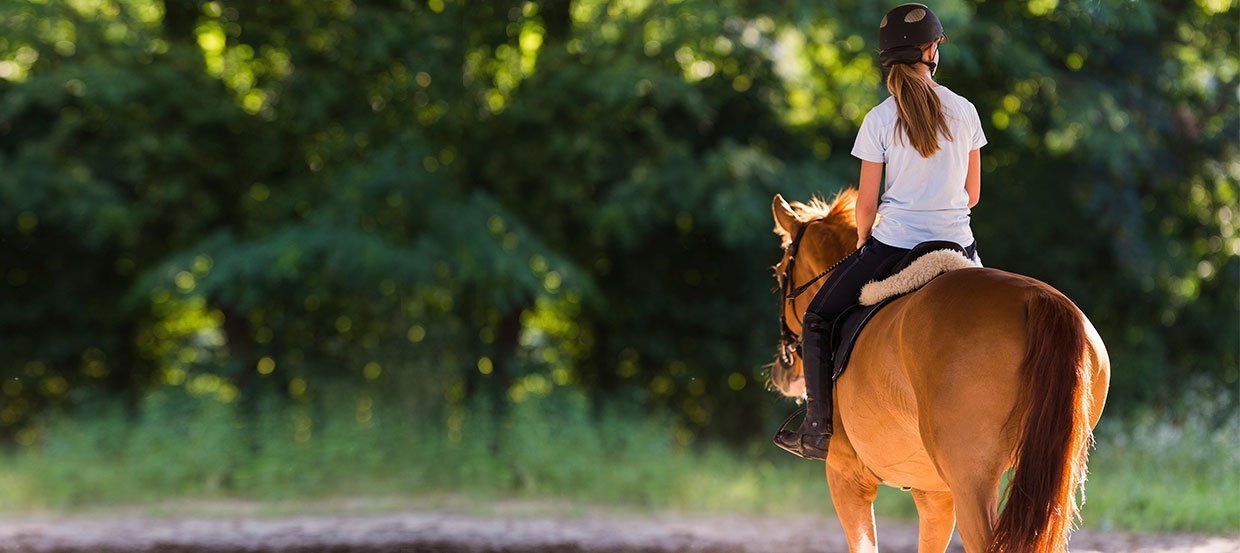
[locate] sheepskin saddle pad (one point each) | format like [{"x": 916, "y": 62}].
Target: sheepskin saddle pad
[{"x": 920, "y": 265}]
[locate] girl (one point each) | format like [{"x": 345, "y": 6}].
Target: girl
[{"x": 928, "y": 138}]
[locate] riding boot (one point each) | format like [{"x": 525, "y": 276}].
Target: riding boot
[{"x": 811, "y": 439}]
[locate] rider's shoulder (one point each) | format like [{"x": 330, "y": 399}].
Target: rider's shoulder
[{"x": 884, "y": 112}]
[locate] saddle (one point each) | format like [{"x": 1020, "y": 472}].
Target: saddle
[{"x": 919, "y": 266}]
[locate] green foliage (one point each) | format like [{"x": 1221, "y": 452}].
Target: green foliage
[{"x": 242, "y": 199}]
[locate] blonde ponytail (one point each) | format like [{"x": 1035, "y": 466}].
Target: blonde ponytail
[{"x": 920, "y": 112}]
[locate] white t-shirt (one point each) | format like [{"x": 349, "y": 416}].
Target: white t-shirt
[{"x": 923, "y": 198}]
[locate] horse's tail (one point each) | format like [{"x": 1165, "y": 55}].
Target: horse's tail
[{"x": 1055, "y": 435}]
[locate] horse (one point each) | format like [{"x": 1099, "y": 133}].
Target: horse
[{"x": 978, "y": 371}]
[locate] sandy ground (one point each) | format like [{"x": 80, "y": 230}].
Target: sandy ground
[{"x": 234, "y": 527}]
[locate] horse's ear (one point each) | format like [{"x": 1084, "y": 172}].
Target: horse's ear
[{"x": 785, "y": 221}]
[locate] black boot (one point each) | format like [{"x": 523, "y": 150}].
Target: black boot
[{"x": 811, "y": 439}]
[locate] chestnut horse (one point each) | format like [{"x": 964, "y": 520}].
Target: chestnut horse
[{"x": 947, "y": 388}]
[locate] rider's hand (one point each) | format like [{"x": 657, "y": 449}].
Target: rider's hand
[{"x": 860, "y": 242}]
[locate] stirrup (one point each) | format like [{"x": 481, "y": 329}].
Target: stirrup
[
  {"x": 799, "y": 451},
  {"x": 784, "y": 425}
]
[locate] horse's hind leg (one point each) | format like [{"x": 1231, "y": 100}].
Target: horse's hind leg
[
  {"x": 972, "y": 468},
  {"x": 972, "y": 472},
  {"x": 971, "y": 454},
  {"x": 936, "y": 518},
  {"x": 853, "y": 489},
  {"x": 977, "y": 509}
]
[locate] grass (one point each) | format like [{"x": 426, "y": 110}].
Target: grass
[
  {"x": 1168, "y": 469},
  {"x": 1147, "y": 473}
]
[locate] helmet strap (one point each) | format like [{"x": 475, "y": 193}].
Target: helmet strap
[
  {"x": 934, "y": 67},
  {"x": 907, "y": 55}
]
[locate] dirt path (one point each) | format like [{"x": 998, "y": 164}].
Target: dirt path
[{"x": 233, "y": 527}]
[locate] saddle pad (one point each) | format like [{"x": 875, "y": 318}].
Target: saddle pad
[{"x": 916, "y": 274}]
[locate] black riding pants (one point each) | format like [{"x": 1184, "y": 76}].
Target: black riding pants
[{"x": 873, "y": 260}]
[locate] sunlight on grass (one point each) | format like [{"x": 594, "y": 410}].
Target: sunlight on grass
[{"x": 1147, "y": 474}]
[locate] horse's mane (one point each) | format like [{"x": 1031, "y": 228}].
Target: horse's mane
[
  {"x": 840, "y": 220},
  {"x": 838, "y": 214},
  {"x": 840, "y": 208}
]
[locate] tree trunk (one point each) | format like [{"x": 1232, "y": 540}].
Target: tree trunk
[{"x": 180, "y": 18}]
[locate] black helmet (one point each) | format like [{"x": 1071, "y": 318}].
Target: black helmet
[
  {"x": 908, "y": 25},
  {"x": 904, "y": 28}
]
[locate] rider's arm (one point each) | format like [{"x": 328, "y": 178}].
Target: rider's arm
[
  {"x": 867, "y": 198},
  {"x": 973, "y": 179}
]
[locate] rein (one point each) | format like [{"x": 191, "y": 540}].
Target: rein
[{"x": 789, "y": 341}]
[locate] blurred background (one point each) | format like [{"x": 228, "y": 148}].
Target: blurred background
[{"x": 512, "y": 249}]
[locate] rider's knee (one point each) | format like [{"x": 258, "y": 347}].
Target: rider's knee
[{"x": 814, "y": 321}]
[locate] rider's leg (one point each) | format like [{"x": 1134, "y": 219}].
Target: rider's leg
[
  {"x": 837, "y": 294},
  {"x": 810, "y": 440},
  {"x": 843, "y": 286}
]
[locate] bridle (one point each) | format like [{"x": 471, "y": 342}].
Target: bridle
[{"x": 789, "y": 341}]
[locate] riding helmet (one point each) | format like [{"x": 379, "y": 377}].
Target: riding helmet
[{"x": 908, "y": 25}]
